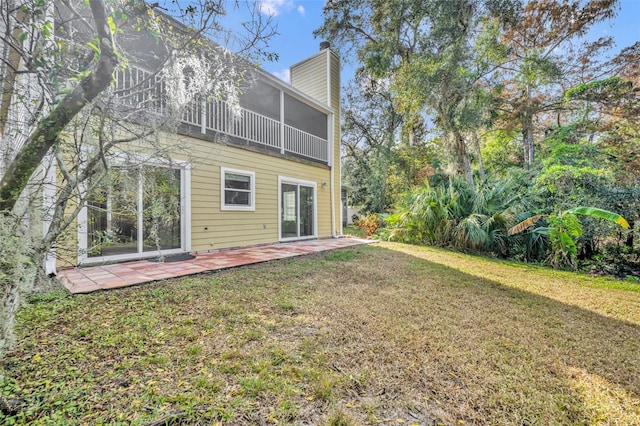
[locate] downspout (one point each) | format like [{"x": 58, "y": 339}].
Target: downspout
[
  {"x": 332, "y": 129},
  {"x": 333, "y": 201},
  {"x": 48, "y": 204}
]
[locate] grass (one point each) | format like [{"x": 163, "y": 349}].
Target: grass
[{"x": 384, "y": 334}]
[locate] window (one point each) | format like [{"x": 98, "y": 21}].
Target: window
[{"x": 238, "y": 189}]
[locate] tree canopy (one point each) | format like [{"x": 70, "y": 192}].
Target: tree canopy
[{"x": 502, "y": 94}]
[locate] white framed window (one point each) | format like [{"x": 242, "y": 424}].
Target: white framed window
[{"x": 237, "y": 189}]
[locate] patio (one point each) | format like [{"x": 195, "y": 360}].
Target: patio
[{"x": 95, "y": 278}]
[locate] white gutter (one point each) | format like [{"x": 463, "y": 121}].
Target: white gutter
[
  {"x": 48, "y": 205},
  {"x": 333, "y": 143}
]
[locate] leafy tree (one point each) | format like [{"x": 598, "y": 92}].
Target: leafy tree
[
  {"x": 610, "y": 112},
  {"x": 539, "y": 58},
  {"x": 59, "y": 107},
  {"x": 424, "y": 48},
  {"x": 502, "y": 90},
  {"x": 371, "y": 129}
]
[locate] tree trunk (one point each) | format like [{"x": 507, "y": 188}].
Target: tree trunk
[
  {"x": 21, "y": 280},
  {"x": 463, "y": 164},
  {"x": 49, "y": 128},
  {"x": 630, "y": 234},
  {"x": 527, "y": 130},
  {"x": 476, "y": 145},
  {"x": 527, "y": 140},
  {"x": 10, "y": 303}
]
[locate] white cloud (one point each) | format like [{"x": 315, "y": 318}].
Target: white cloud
[
  {"x": 284, "y": 75},
  {"x": 275, "y": 7},
  {"x": 301, "y": 10}
]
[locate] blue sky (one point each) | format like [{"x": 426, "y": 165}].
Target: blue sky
[{"x": 297, "y": 19}]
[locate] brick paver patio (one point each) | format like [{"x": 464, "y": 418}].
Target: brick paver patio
[{"x": 94, "y": 278}]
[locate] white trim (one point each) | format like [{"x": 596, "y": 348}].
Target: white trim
[
  {"x": 282, "y": 125},
  {"x": 331, "y": 153},
  {"x": 203, "y": 116},
  {"x": 140, "y": 216},
  {"x": 252, "y": 194},
  {"x": 332, "y": 194},
  {"x": 339, "y": 166},
  {"x": 298, "y": 182},
  {"x": 130, "y": 256},
  {"x": 186, "y": 206},
  {"x": 82, "y": 218},
  {"x": 48, "y": 205}
]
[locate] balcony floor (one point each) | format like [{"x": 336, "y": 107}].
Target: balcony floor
[{"x": 95, "y": 278}]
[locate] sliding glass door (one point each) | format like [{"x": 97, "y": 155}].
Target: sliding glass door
[
  {"x": 297, "y": 209},
  {"x": 134, "y": 211}
]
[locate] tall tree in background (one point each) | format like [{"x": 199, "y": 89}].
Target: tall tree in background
[
  {"x": 543, "y": 56},
  {"x": 426, "y": 49},
  {"x": 371, "y": 129}
]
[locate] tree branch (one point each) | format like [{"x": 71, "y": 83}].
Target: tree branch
[{"x": 49, "y": 128}]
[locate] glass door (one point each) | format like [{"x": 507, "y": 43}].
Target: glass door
[
  {"x": 307, "y": 218},
  {"x": 112, "y": 215},
  {"x": 297, "y": 209},
  {"x": 134, "y": 211},
  {"x": 289, "y": 211},
  {"x": 161, "y": 210}
]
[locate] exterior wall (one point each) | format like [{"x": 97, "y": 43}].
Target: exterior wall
[
  {"x": 310, "y": 76},
  {"x": 334, "y": 93},
  {"x": 213, "y": 228}
]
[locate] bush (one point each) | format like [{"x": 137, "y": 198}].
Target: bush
[
  {"x": 370, "y": 224},
  {"x": 454, "y": 215}
]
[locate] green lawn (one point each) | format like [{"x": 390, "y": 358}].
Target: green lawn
[{"x": 383, "y": 334}]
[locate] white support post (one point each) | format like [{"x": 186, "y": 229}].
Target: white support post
[
  {"x": 203, "y": 116},
  {"x": 282, "y": 121}
]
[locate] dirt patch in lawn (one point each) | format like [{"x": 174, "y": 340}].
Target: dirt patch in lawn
[{"x": 391, "y": 334}]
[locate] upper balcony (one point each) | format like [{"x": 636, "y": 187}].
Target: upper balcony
[{"x": 276, "y": 118}]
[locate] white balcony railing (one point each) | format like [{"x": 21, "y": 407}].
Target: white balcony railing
[
  {"x": 137, "y": 88},
  {"x": 305, "y": 144},
  {"x": 249, "y": 125}
]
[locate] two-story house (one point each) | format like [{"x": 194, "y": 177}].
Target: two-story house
[{"x": 271, "y": 174}]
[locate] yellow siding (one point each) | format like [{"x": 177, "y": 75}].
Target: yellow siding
[
  {"x": 240, "y": 228},
  {"x": 310, "y": 76},
  {"x": 225, "y": 229},
  {"x": 213, "y": 228}
]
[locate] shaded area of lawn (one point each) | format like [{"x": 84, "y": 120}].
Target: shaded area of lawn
[{"x": 392, "y": 334}]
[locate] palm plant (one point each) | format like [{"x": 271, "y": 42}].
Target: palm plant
[
  {"x": 456, "y": 216},
  {"x": 426, "y": 215},
  {"x": 485, "y": 223},
  {"x": 563, "y": 230}
]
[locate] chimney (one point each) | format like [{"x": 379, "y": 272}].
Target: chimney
[{"x": 324, "y": 45}]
